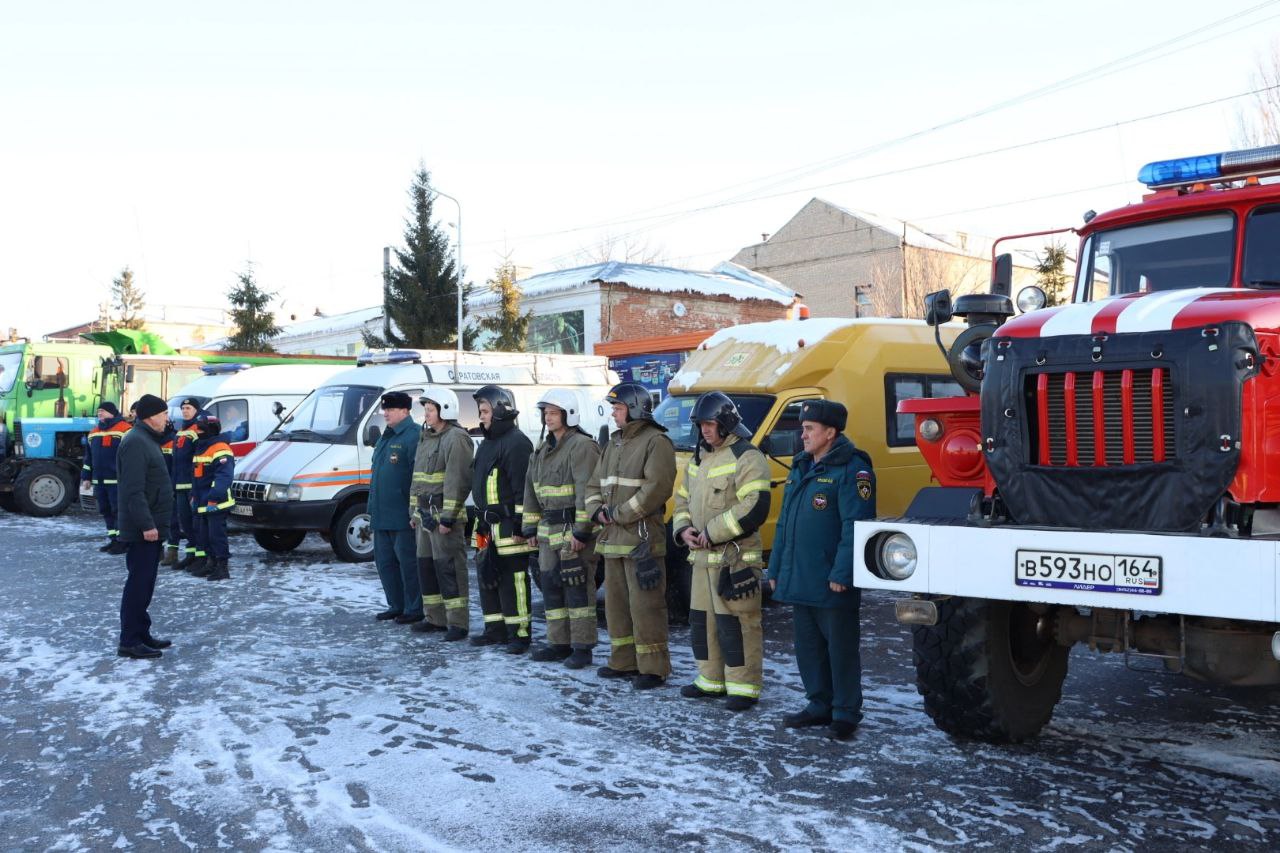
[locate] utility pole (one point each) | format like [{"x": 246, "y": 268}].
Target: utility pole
[
  {"x": 386, "y": 291},
  {"x": 459, "y": 204}
]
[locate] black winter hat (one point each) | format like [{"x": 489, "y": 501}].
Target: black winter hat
[
  {"x": 110, "y": 408},
  {"x": 149, "y": 405},
  {"x": 396, "y": 400},
  {"x": 826, "y": 412},
  {"x": 208, "y": 424},
  {"x": 192, "y": 402}
]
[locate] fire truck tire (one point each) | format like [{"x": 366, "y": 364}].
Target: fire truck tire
[
  {"x": 44, "y": 489},
  {"x": 279, "y": 541},
  {"x": 351, "y": 535},
  {"x": 985, "y": 672},
  {"x": 8, "y": 502}
]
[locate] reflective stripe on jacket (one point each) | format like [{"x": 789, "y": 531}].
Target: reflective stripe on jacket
[
  {"x": 555, "y": 491},
  {"x": 213, "y": 470},
  {"x": 442, "y": 471},
  {"x": 497, "y": 484},
  {"x": 100, "y": 455},
  {"x": 634, "y": 479},
  {"x": 725, "y": 494}
]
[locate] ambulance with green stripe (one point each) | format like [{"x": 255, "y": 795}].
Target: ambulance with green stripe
[{"x": 311, "y": 474}]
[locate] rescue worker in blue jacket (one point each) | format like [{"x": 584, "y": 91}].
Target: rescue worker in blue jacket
[
  {"x": 395, "y": 546},
  {"x": 212, "y": 474},
  {"x": 99, "y": 468},
  {"x": 184, "y": 451},
  {"x": 831, "y": 485},
  {"x": 171, "y": 541}
]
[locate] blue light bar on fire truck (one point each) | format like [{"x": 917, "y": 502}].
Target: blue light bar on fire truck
[
  {"x": 388, "y": 356},
  {"x": 224, "y": 369},
  {"x": 1252, "y": 162}
]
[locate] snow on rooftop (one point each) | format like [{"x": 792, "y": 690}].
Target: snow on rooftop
[
  {"x": 333, "y": 323},
  {"x": 782, "y": 335},
  {"x": 726, "y": 279}
]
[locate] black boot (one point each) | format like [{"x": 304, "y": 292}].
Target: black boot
[
  {"x": 186, "y": 561},
  {"x": 219, "y": 571},
  {"x": 201, "y": 567},
  {"x": 454, "y": 634},
  {"x": 425, "y": 627},
  {"x": 550, "y": 653},
  {"x": 579, "y": 659},
  {"x": 117, "y": 547},
  {"x": 517, "y": 646},
  {"x": 170, "y": 556}
]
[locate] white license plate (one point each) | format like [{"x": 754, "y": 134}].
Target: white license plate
[
  {"x": 241, "y": 509},
  {"x": 1127, "y": 573}
]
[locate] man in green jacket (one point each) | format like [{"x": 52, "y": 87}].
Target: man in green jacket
[
  {"x": 394, "y": 549},
  {"x": 811, "y": 567}
]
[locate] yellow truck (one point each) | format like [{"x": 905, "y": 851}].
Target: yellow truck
[{"x": 770, "y": 368}]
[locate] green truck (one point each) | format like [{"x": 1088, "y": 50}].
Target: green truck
[{"x": 49, "y": 396}]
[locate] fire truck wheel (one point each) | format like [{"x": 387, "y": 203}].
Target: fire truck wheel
[
  {"x": 44, "y": 489},
  {"x": 988, "y": 670},
  {"x": 279, "y": 541},
  {"x": 8, "y": 502}
]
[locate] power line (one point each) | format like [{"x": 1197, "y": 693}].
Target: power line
[{"x": 1097, "y": 72}]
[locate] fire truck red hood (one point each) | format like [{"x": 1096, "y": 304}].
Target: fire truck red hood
[{"x": 1151, "y": 312}]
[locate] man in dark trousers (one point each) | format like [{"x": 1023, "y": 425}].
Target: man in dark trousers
[
  {"x": 100, "y": 469},
  {"x": 831, "y": 485},
  {"x": 146, "y": 506},
  {"x": 497, "y": 488},
  {"x": 394, "y": 546}
]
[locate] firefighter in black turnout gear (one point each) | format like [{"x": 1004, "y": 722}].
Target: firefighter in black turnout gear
[{"x": 502, "y": 553}]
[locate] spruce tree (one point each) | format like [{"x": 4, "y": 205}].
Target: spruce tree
[
  {"x": 1052, "y": 276},
  {"x": 510, "y": 328},
  {"x": 255, "y": 326},
  {"x": 128, "y": 299},
  {"x": 421, "y": 294}
]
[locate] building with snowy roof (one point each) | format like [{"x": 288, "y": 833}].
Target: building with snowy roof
[
  {"x": 851, "y": 263},
  {"x": 644, "y": 317},
  {"x": 336, "y": 334}
]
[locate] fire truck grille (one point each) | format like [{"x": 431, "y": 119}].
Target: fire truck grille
[
  {"x": 1101, "y": 418},
  {"x": 243, "y": 491}
]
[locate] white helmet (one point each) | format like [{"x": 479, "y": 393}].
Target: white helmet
[
  {"x": 444, "y": 398},
  {"x": 564, "y": 400}
]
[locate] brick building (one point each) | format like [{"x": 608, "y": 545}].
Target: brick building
[
  {"x": 851, "y": 263},
  {"x": 645, "y": 318}
]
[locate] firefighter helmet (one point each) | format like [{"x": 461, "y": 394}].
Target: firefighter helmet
[
  {"x": 635, "y": 397},
  {"x": 719, "y": 407},
  {"x": 445, "y": 401},
  {"x": 564, "y": 400},
  {"x": 499, "y": 399}
]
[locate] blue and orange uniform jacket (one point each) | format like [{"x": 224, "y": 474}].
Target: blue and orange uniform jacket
[
  {"x": 214, "y": 469},
  {"x": 100, "y": 456}
]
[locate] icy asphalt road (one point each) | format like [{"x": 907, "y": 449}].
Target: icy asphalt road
[{"x": 286, "y": 719}]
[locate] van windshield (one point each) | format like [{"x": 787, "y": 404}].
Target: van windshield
[
  {"x": 673, "y": 413},
  {"x": 329, "y": 415}
]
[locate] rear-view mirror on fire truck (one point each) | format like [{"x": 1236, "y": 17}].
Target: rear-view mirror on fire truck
[{"x": 937, "y": 307}]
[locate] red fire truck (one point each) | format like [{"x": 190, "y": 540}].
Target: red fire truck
[{"x": 1113, "y": 478}]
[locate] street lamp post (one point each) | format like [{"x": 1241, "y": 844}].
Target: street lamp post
[{"x": 459, "y": 204}]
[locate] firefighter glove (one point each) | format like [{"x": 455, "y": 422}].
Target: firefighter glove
[
  {"x": 738, "y": 583},
  {"x": 573, "y": 572},
  {"x": 487, "y": 568}
]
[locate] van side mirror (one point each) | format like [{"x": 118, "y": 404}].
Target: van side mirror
[
  {"x": 1002, "y": 275},
  {"x": 937, "y": 307},
  {"x": 781, "y": 443},
  {"x": 277, "y": 409},
  {"x": 128, "y": 374},
  {"x": 371, "y": 435}
]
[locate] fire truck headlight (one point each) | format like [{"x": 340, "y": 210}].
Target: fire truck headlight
[
  {"x": 931, "y": 429},
  {"x": 896, "y": 557},
  {"x": 1031, "y": 298}
]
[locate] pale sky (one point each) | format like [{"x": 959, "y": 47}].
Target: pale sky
[{"x": 183, "y": 141}]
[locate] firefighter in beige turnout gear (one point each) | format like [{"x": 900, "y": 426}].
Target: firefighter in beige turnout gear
[
  {"x": 441, "y": 483},
  {"x": 627, "y": 496},
  {"x": 556, "y": 518},
  {"x": 720, "y": 506}
]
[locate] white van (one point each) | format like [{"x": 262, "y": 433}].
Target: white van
[
  {"x": 312, "y": 473},
  {"x": 251, "y": 402}
]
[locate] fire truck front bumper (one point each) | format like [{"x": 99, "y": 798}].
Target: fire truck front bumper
[{"x": 1158, "y": 573}]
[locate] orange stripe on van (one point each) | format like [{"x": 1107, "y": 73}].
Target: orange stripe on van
[
  {"x": 355, "y": 473},
  {"x": 333, "y": 483}
]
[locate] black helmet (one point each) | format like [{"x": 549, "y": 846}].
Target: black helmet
[
  {"x": 635, "y": 397},
  {"x": 718, "y": 407},
  {"x": 500, "y": 400},
  {"x": 208, "y": 424}
]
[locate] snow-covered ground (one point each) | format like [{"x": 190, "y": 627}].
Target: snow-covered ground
[{"x": 285, "y": 718}]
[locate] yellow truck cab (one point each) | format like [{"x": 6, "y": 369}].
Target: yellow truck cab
[{"x": 770, "y": 368}]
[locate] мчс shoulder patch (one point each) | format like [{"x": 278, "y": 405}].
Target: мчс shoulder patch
[{"x": 864, "y": 485}]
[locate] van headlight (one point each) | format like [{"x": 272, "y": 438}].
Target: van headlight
[
  {"x": 284, "y": 493},
  {"x": 896, "y": 557}
]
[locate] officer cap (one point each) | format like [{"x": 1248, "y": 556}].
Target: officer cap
[
  {"x": 396, "y": 400},
  {"x": 826, "y": 412}
]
